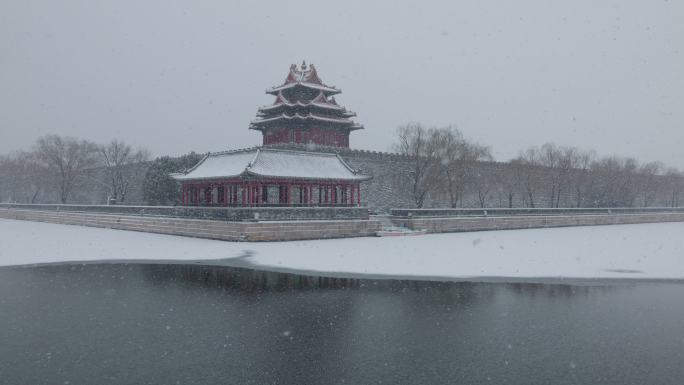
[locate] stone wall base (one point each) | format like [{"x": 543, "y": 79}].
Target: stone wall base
[
  {"x": 457, "y": 224},
  {"x": 301, "y": 230},
  {"x": 202, "y": 228}
]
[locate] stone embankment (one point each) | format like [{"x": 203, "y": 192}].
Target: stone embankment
[
  {"x": 205, "y": 228},
  {"x": 457, "y": 220},
  {"x": 339, "y": 223}
]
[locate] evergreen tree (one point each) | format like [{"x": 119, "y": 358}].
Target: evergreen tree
[{"x": 159, "y": 188}]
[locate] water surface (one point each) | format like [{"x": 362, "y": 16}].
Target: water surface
[{"x": 168, "y": 324}]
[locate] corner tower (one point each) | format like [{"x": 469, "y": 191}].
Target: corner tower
[{"x": 304, "y": 112}]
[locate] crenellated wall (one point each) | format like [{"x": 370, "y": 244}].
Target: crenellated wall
[{"x": 501, "y": 184}]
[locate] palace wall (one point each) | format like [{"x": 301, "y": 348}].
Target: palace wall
[{"x": 390, "y": 186}]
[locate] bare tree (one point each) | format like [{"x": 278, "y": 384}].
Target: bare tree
[
  {"x": 483, "y": 185},
  {"x": 35, "y": 176},
  {"x": 556, "y": 163},
  {"x": 648, "y": 174},
  {"x": 581, "y": 177},
  {"x": 23, "y": 177},
  {"x": 510, "y": 181},
  {"x": 122, "y": 165},
  {"x": 527, "y": 164},
  {"x": 614, "y": 182},
  {"x": 420, "y": 146},
  {"x": 675, "y": 184},
  {"x": 458, "y": 161},
  {"x": 10, "y": 179},
  {"x": 67, "y": 158}
]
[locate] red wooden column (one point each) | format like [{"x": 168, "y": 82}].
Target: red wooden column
[
  {"x": 251, "y": 194},
  {"x": 248, "y": 195},
  {"x": 347, "y": 194},
  {"x": 331, "y": 197},
  {"x": 252, "y": 199},
  {"x": 289, "y": 193},
  {"x": 226, "y": 194},
  {"x": 358, "y": 194},
  {"x": 351, "y": 195},
  {"x": 257, "y": 193},
  {"x": 206, "y": 197},
  {"x": 187, "y": 194},
  {"x": 201, "y": 196},
  {"x": 332, "y": 194}
]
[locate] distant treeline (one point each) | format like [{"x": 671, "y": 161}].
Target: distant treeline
[
  {"x": 65, "y": 170},
  {"x": 445, "y": 166},
  {"x": 439, "y": 167}
]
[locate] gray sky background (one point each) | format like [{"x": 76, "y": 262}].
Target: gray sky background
[{"x": 175, "y": 76}]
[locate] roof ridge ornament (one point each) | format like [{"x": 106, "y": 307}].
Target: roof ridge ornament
[{"x": 256, "y": 155}]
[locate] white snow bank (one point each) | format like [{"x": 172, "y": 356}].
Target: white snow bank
[{"x": 620, "y": 251}]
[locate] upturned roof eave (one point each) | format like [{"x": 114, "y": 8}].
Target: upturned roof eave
[
  {"x": 300, "y": 104},
  {"x": 342, "y": 121},
  {"x": 354, "y": 178},
  {"x": 328, "y": 90}
]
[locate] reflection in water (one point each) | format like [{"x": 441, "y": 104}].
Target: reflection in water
[{"x": 161, "y": 324}]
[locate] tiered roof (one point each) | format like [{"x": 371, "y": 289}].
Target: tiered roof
[
  {"x": 303, "y": 77},
  {"x": 272, "y": 163},
  {"x": 306, "y": 100}
]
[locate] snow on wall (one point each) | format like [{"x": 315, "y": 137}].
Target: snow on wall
[{"x": 388, "y": 187}]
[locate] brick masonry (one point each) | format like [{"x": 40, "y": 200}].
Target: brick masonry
[
  {"x": 216, "y": 213},
  {"x": 204, "y": 228},
  {"x": 458, "y": 224},
  {"x": 300, "y": 230}
]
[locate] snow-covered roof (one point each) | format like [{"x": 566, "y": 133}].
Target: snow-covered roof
[
  {"x": 320, "y": 87},
  {"x": 308, "y": 116},
  {"x": 304, "y": 76},
  {"x": 272, "y": 163},
  {"x": 300, "y": 104}
]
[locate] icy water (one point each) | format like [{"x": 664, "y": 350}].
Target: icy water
[{"x": 178, "y": 324}]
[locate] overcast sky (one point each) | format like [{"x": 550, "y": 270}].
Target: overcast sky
[{"x": 176, "y": 76}]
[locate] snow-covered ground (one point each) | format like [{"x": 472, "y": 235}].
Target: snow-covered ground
[{"x": 621, "y": 251}]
